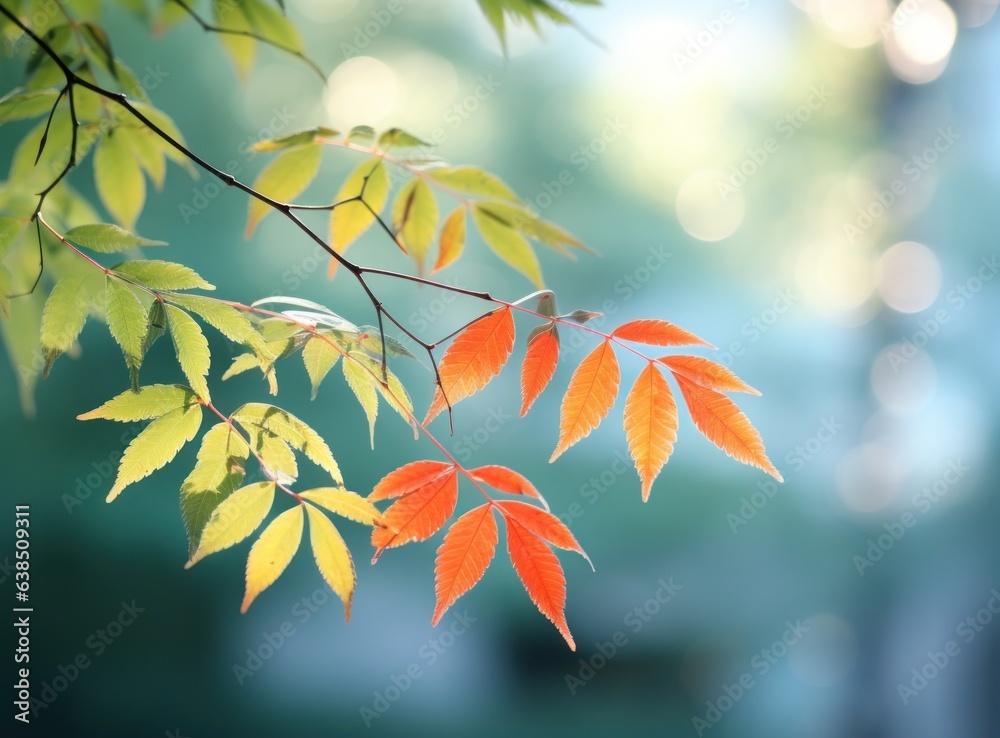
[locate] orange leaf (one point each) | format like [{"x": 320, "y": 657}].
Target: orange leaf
[
  {"x": 464, "y": 556},
  {"x": 718, "y": 418},
  {"x": 707, "y": 373},
  {"x": 543, "y": 524},
  {"x": 658, "y": 333},
  {"x": 539, "y": 366},
  {"x": 452, "y": 240},
  {"x": 650, "y": 425},
  {"x": 476, "y": 355},
  {"x": 506, "y": 480},
  {"x": 591, "y": 393},
  {"x": 407, "y": 479},
  {"x": 540, "y": 573},
  {"x": 419, "y": 515}
]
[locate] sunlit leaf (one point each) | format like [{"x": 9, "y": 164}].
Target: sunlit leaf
[
  {"x": 464, "y": 556},
  {"x": 119, "y": 179},
  {"x": 346, "y": 504},
  {"x": 234, "y": 519},
  {"x": 452, "y": 241},
  {"x": 476, "y": 355},
  {"x": 650, "y": 425},
  {"x": 192, "y": 350},
  {"x": 284, "y": 179},
  {"x": 107, "y": 238},
  {"x": 332, "y": 557},
  {"x": 149, "y": 402},
  {"x": 272, "y": 553},
  {"x": 156, "y": 445},
  {"x": 591, "y": 393}
]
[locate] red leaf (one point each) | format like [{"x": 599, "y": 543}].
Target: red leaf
[
  {"x": 506, "y": 480},
  {"x": 706, "y": 373},
  {"x": 418, "y": 515},
  {"x": 650, "y": 425},
  {"x": 658, "y": 333},
  {"x": 476, "y": 355},
  {"x": 407, "y": 479},
  {"x": 540, "y": 573},
  {"x": 591, "y": 393},
  {"x": 539, "y": 366},
  {"x": 718, "y": 418},
  {"x": 543, "y": 524},
  {"x": 464, "y": 556}
]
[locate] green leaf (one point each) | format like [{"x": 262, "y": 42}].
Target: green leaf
[
  {"x": 234, "y": 519},
  {"x": 319, "y": 357},
  {"x": 349, "y": 505},
  {"x": 217, "y": 473},
  {"x": 158, "y": 443},
  {"x": 415, "y": 219},
  {"x": 20, "y": 333},
  {"x": 119, "y": 179},
  {"x": 192, "y": 350},
  {"x": 362, "y": 384},
  {"x": 126, "y": 319},
  {"x": 472, "y": 181},
  {"x": 241, "y": 49},
  {"x": 106, "y": 238},
  {"x": 272, "y": 553},
  {"x": 153, "y": 401},
  {"x": 147, "y": 148},
  {"x": 529, "y": 223},
  {"x": 276, "y": 457},
  {"x": 372, "y": 343},
  {"x": 64, "y": 314},
  {"x": 20, "y": 104},
  {"x": 361, "y": 133},
  {"x": 350, "y": 219},
  {"x": 161, "y": 275},
  {"x": 11, "y": 230},
  {"x": 332, "y": 557},
  {"x": 284, "y": 179},
  {"x": 290, "y": 429},
  {"x": 227, "y": 320},
  {"x": 508, "y": 244},
  {"x": 297, "y": 138},
  {"x": 166, "y": 124},
  {"x": 398, "y": 137},
  {"x": 392, "y": 391}
]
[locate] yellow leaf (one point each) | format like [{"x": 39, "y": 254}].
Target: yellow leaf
[
  {"x": 238, "y": 516},
  {"x": 370, "y": 182},
  {"x": 332, "y": 557},
  {"x": 346, "y": 504},
  {"x": 272, "y": 553},
  {"x": 284, "y": 179}
]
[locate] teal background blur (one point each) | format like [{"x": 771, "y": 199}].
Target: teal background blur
[{"x": 870, "y": 326}]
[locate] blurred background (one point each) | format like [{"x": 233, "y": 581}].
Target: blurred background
[{"x": 809, "y": 185}]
